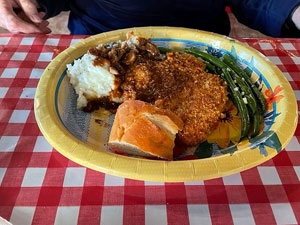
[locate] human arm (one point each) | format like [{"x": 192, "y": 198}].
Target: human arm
[{"x": 267, "y": 16}]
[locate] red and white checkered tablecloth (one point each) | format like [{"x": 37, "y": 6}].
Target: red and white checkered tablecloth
[{"x": 40, "y": 186}]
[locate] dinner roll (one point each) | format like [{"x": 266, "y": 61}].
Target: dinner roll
[{"x": 142, "y": 129}]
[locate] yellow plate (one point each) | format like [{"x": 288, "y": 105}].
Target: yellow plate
[{"x": 82, "y": 137}]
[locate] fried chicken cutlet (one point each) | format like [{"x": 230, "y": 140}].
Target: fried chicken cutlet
[{"x": 180, "y": 84}]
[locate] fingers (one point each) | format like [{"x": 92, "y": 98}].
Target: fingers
[
  {"x": 16, "y": 25},
  {"x": 30, "y": 9},
  {"x": 43, "y": 27},
  {"x": 42, "y": 14},
  {"x": 10, "y": 21}
]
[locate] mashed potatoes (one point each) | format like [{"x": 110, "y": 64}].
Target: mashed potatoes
[{"x": 90, "y": 81}]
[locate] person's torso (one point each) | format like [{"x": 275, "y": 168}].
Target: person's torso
[{"x": 97, "y": 16}]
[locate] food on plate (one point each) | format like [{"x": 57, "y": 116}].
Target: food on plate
[
  {"x": 248, "y": 99},
  {"x": 192, "y": 84},
  {"x": 97, "y": 76},
  {"x": 91, "y": 82},
  {"x": 143, "y": 129},
  {"x": 180, "y": 84},
  {"x": 135, "y": 69}
]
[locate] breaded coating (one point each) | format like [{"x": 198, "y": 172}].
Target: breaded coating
[{"x": 180, "y": 84}]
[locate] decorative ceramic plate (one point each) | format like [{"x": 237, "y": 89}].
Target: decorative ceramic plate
[{"x": 82, "y": 137}]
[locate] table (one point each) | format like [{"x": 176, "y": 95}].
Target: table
[{"x": 40, "y": 186}]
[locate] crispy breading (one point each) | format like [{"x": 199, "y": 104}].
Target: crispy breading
[{"x": 180, "y": 84}]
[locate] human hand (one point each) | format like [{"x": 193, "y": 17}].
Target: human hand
[
  {"x": 296, "y": 17},
  {"x": 28, "y": 20}
]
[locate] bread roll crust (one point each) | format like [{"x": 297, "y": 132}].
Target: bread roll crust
[{"x": 150, "y": 129}]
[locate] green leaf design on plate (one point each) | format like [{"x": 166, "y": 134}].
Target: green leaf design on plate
[
  {"x": 233, "y": 52},
  {"x": 267, "y": 138},
  {"x": 204, "y": 150},
  {"x": 230, "y": 149}
]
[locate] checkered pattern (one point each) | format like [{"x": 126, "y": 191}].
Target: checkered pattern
[{"x": 40, "y": 186}]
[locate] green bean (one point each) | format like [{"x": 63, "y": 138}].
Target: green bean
[
  {"x": 211, "y": 68},
  {"x": 238, "y": 99},
  {"x": 233, "y": 65},
  {"x": 256, "y": 124},
  {"x": 239, "y": 103},
  {"x": 247, "y": 92},
  {"x": 164, "y": 50},
  {"x": 251, "y": 102},
  {"x": 261, "y": 102},
  {"x": 205, "y": 56}
]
